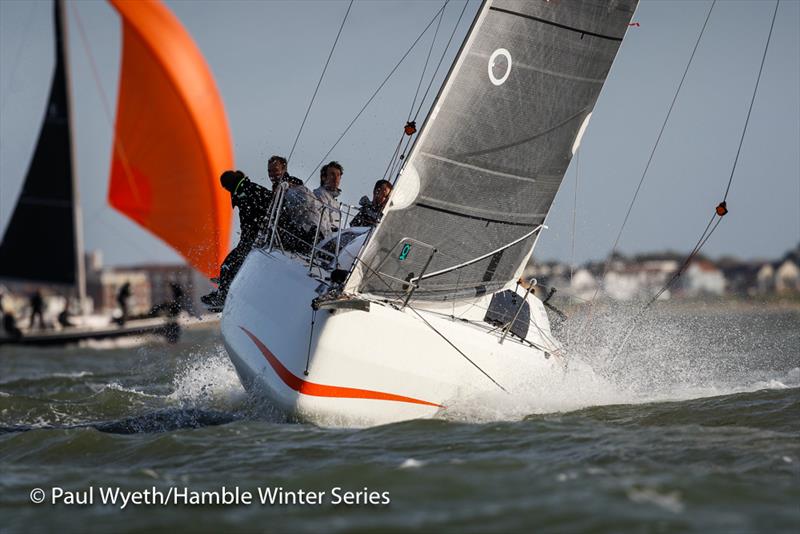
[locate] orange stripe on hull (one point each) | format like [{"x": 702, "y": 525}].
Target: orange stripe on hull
[{"x": 322, "y": 390}]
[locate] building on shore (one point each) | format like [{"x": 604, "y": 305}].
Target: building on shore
[
  {"x": 643, "y": 276},
  {"x": 787, "y": 278},
  {"x": 702, "y": 278}
]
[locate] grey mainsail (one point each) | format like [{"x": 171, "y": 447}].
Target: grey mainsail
[{"x": 494, "y": 149}]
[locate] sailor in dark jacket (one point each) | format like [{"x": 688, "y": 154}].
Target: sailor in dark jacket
[
  {"x": 371, "y": 211},
  {"x": 253, "y": 201},
  {"x": 293, "y": 220},
  {"x": 276, "y": 169}
]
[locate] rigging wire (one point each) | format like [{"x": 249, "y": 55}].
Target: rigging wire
[
  {"x": 752, "y": 100},
  {"x": 719, "y": 212},
  {"x": 545, "y": 337},
  {"x": 487, "y": 375},
  {"x": 441, "y": 58},
  {"x": 379, "y": 277},
  {"x": 374, "y": 94},
  {"x": 118, "y": 145},
  {"x": 574, "y": 216},
  {"x": 107, "y": 111},
  {"x": 392, "y": 160},
  {"x": 428, "y": 57},
  {"x": 398, "y": 163},
  {"x": 319, "y": 82},
  {"x": 574, "y": 227},
  {"x": 647, "y": 166}
]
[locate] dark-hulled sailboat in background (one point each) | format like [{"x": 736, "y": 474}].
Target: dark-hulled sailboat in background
[
  {"x": 171, "y": 143},
  {"x": 412, "y": 323},
  {"x": 43, "y": 239}
]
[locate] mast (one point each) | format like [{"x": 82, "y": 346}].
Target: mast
[{"x": 62, "y": 37}]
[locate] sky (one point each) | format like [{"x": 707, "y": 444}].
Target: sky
[{"x": 267, "y": 56}]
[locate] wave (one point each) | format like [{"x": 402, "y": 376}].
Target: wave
[{"x": 158, "y": 421}]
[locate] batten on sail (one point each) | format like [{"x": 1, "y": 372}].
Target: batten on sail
[
  {"x": 491, "y": 156},
  {"x": 171, "y": 138}
]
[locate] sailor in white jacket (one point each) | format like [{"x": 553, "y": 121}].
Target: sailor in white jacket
[{"x": 327, "y": 193}]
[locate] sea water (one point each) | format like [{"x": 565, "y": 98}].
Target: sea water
[{"x": 693, "y": 425}]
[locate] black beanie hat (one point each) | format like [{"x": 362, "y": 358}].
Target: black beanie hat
[{"x": 230, "y": 179}]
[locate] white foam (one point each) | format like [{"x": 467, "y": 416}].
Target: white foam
[
  {"x": 207, "y": 379},
  {"x": 124, "y": 342},
  {"x": 150, "y": 472},
  {"x": 579, "y": 387},
  {"x": 638, "y": 379},
  {"x": 76, "y": 374},
  {"x": 116, "y": 386},
  {"x": 411, "y": 463},
  {"x": 564, "y": 477},
  {"x": 670, "y": 501}
]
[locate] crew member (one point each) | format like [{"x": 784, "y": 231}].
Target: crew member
[
  {"x": 37, "y": 309},
  {"x": 276, "y": 169},
  {"x": 371, "y": 211},
  {"x": 9, "y": 322},
  {"x": 123, "y": 295},
  {"x": 253, "y": 201},
  {"x": 64, "y": 316},
  {"x": 327, "y": 197}
]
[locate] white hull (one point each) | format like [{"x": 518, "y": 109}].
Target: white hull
[{"x": 364, "y": 367}]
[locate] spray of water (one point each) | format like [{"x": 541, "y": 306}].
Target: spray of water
[
  {"x": 673, "y": 354},
  {"x": 207, "y": 380}
]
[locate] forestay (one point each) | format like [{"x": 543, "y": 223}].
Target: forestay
[{"x": 494, "y": 149}]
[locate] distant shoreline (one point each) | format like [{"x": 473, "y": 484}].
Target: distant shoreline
[{"x": 734, "y": 303}]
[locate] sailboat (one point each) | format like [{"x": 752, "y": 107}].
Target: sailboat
[
  {"x": 396, "y": 322},
  {"x": 171, "y": 142}
]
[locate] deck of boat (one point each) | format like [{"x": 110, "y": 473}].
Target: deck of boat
[{"x": 134, "y": 327}]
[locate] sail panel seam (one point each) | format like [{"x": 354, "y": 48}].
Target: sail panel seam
[
  {"x": 532, "y": 137},
  {"x": 556, "y": 24},
  {"x": 476, "y": 168},
  {"x": 474, "y": 217}
]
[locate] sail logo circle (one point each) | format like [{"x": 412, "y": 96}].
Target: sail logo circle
[{"x": 497, "y": 60}]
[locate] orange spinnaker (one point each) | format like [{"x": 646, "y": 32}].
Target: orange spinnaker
[{"x": 171, "y": 137}]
